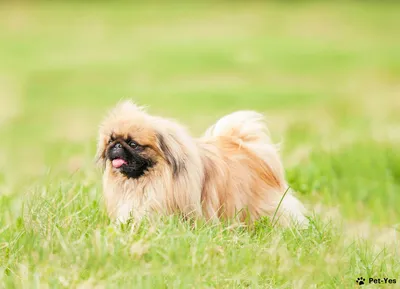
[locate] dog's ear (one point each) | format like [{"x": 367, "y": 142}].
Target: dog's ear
[{"x": 172, "y": 150}]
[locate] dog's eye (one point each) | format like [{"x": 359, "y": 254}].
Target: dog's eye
[
  {"x": 110, "y": 141},
  {"x": 133, "y": 144}
]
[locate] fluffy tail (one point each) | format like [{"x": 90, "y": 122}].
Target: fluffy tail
[
  {"x": 247, "y": 126},
  {"x": 248, "y": 129}
]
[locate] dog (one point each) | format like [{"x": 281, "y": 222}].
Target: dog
[{"x": 151, "y": 165}]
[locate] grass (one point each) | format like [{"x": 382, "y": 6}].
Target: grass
[{"x": 326, "y": 75}]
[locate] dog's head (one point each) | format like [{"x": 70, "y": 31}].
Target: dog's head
[{"x": 133, "y": 143}]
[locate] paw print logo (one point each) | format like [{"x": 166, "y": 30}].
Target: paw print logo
[{"x": 360, "y": 281}]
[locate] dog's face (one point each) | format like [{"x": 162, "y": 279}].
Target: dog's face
[
  {"x": 128, "y": 156},
  {"x": 133, "y": 143},
  {"x": 128, "y": 143}
]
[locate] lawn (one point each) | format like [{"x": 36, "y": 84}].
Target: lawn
[{"x": 326, "y": 75}]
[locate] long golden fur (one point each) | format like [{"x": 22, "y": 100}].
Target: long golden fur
[{"x": 232, "y": 171}]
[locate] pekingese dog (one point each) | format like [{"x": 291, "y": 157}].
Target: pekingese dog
[{"x": 152, "y": 165}]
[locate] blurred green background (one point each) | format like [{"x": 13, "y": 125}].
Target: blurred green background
[{"x": 325, "y": 73}]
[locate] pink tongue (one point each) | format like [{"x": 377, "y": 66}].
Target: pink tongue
[{"x": 117, "y": 163}]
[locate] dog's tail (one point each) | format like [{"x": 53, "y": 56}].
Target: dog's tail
[{"x": 248, "y": 130}]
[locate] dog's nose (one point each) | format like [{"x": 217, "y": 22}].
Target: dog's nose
[{"x": 117, "y": 151}]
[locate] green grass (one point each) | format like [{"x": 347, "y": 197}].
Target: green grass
[{"x": 326, "y": 75}]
